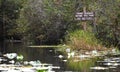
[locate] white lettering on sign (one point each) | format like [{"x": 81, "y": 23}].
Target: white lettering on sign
[
  {"x": 79, "y": 13},
  {"x": 84, "y": 15}
]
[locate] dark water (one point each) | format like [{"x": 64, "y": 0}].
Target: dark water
[
  {"x": 50, "y": 55},
  {"x": 45, "y": 55}
]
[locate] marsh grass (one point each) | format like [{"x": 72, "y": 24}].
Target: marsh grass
[{"x": 83, "y": 40}]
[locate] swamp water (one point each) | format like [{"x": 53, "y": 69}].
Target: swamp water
[{"x": 51, "y": 56}]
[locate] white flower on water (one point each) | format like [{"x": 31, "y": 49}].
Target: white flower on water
[
  {"x": 72, "y": 54},
  {"x": 68, "y": 50},
  {"x": 13, "y": 70},
  {"x": 113, "y": 50},
  {"x": 12, "y": 61},
  {"x": 11, "y": 55},
  {"x": 26, "y": 62},
  {"x": 64, "y": 60},
  {"x": 60, "y": 56},
  {"x": 94, "y": 52},
  {"x": 99, "y": 68}
]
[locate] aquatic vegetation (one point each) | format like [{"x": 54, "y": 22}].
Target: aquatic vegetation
[
  {"x": 41, "y": 71},
  {"x": 82, "y": 65}
]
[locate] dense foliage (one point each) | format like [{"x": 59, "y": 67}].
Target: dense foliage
[
  {"x": 10, "y": 10},
  {"x": 109, "y": 23},
  {"x": 49, "y": 21}
]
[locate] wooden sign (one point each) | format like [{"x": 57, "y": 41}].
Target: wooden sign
[{"x": 84, "y": 15}]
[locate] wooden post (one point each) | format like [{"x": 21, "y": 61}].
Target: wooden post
[
  {"x": 84, "y": 26},
  {"x": 94, "y": 25}
]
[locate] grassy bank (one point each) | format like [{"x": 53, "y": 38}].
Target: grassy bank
[
  {"x": 83, "y": 40},
  {"x": 85, "y": 43}
]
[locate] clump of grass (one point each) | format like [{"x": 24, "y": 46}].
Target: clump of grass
[{"x": 83, "y": 40}]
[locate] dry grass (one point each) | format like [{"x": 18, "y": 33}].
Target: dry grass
[
  {"x": 81, "y": 44},
  {"x": 81, "y": 40}
]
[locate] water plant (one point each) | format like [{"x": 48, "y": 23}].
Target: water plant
[{"x": 41, "y": 71}]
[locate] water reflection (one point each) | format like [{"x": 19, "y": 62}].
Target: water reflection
[
  {"x": 108, "y": 64},
  {"x": 51, "y": 56},
  {"x": 45, "y": 55}
]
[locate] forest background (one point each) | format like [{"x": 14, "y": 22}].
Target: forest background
[{"x": 52, "y": 22}]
